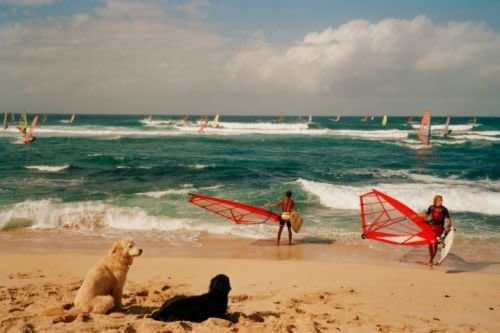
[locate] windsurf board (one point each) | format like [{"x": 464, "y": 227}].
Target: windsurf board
[
  {"x": 296, "y": 221},
  {"x": 447, "y": 243}
]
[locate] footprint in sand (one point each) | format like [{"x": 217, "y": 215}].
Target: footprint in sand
[
  {"x": 19, "y": 275},
  {"x": 239, "y": 298},
  {"x": 260, "y": 316}
]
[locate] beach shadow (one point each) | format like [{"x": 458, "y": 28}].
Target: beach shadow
[
  {"x": 284, "y": 241},
  {"x": 138, "y": 310},
  {"x": 463, "y": 266},
  {"x": 452, "y": 264},
  {"x": 258, "y": 317},
  {"x": 414, "y": 256}
]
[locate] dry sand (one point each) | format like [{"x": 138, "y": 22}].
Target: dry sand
[{"x": 283, "y": 294}]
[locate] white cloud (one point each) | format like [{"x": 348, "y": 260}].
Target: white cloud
[
  {"x": 134, "y": 57},
  {"x": 387, "y": 56},
  {"x": 126, "y": 55}
]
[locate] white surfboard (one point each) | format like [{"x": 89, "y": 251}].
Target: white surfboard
[
  {"x": 296, "y": 221},
  {"x": 448, "y": 242}
]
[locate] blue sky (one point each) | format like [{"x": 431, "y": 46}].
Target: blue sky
[
  {"x": 289, "y": 19},
  {"x": 276, "y": 16},
  {"x": 239, "y": 57}
]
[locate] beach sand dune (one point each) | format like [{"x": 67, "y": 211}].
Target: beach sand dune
[{"x": 266, "y": 296}]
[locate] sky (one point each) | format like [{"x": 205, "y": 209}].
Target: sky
[{"x": 259, "y": 57}]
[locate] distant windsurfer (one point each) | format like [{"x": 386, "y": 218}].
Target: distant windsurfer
[
  {"x": 439, "y": 219},
  {"x": 287, "y": 206},
  {"x": 203, "y": 124},
  {"x": 28, "y": 135},
  {"x": 5, "y": 121}
]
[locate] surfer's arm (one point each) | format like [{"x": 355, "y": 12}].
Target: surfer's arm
[
  {"x": 272, "y": 205},
  {"x": 447, "y": 224},
  {"x": 447, "y": 220}
]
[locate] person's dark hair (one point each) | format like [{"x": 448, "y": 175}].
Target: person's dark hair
[{"x": 289, "y": 193}]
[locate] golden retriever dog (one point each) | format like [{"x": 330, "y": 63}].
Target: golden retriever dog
[{"x": 102, "y": 287}]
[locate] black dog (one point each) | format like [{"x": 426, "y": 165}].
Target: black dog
[{"x": 198, "y": 308}]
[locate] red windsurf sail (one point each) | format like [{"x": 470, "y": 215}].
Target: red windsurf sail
[
  {"x": 424, "y": 131},
  {"x": 236, "y": 211},
  {"x": 387, "y": 220}
]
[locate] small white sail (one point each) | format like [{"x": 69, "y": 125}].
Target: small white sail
[
  {"x": 384, "y": 120},
  {"x": 446, "y": 129},
  {"x": 215, "y": 122}
]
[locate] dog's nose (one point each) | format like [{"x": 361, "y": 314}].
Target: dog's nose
[{"x": 140, "y": 251}]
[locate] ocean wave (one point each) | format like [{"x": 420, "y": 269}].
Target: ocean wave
[
  {"x": 89, "y": 217},
  {"x": 454, "y": 128},
  {"x": 198, "y": 166},
  {"x": 256, "y": 126},
  {"x": 450, "y": 141},
  {"x": 476, "y": 136},
  {"x": 226, "y": 128},
  {"x": 430, "y": 179},
  {"x": 159, "y": 194},
  {"x": 48, "y": 168},
  {"x": 160, "y": 123},
  {"x": 374, "y": 134},
  {"x": 117, "y": 132},
  {"x": 457, "y": 198},
  {"x": 108, "y": 220},
  {"x": 173, "y": 127}
]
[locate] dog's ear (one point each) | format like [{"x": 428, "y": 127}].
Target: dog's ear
[{"x": 117, "y": 246}]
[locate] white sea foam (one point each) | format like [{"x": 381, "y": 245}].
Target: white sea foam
[
  {"x": 199, "y": 166},
  {"x": 89, "y": 217},
  {"x": 374, "y": 134},
  {"x": 489, "y": 184},
  {"x": 236, "y": 128},
  {"x": 159, "y": 123},
  {"x": 475, "y": 136},
  {"x": 48, "y": 168},
  {"x": 171, "y": 127},
  {"x": 458, "y": 198},
  {"x": 454, "y": 128},
  {"x": 117, "y": 132},
  {"x": 258, "y": 126},
  {"x": 488, "y": 133},
  {"x": 159, "y": 194}
]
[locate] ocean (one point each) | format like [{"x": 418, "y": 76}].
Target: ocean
[{"x": 111, "y": 174}]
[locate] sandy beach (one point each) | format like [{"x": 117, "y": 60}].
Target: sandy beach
[{"x": 278, "y": 290}]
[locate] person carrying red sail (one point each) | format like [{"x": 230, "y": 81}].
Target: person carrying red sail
[
  {"x": 287, "y": 206},
  {"x": 438, "y": 217}
]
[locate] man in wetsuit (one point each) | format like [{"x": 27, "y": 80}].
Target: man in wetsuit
[
  {"x": 437, "y": 215},
  {"x": 287, "y": 205}
]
